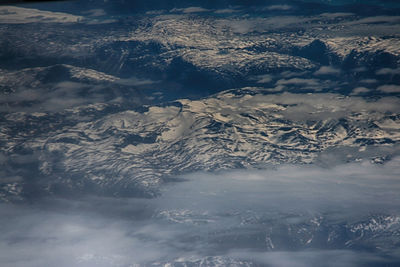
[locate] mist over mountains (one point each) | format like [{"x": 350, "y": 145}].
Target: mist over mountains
[{"x": 212, "y": 133}]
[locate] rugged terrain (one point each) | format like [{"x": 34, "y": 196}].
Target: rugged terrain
[{"x": 213, "y": 135}]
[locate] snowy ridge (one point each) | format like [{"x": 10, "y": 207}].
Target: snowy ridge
[
  {"x": 108, "y": 145},
  {"x": 234, "y": 129},
  {"x": 218, "y": 43},
  {"x": 227, "y": 47}
]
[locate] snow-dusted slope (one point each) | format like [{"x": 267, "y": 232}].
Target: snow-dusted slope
[
  {"x": 244, "y": 128},
  {"x": 227, "y": 47},
  {"x": 84, "y": 99}
]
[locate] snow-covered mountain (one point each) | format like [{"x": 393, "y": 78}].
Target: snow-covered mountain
[
  {"x": 193, "y": 55},
  {"x": 130, "y": 152},
  {"x": 200, "y": 133}
]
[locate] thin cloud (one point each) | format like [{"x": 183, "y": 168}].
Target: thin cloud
[
  {"x": 188, "y": 10},
  {"x": 389, "y": 88},
  {"x": 368, "y": 81},
  {"x": 97, "y": 12},
  {"x": 360, "y": 90},
  {"x": 327, "y": 70},
  {"x": 388, "y": 71},
  {"x": 298, "y": 81},
  {"x": 266, "y": 78},
  {"x": 81, "y": 86},
  {"x": 155, "y": 12},
  {"x": 226, "y": 11},
  {"x": 279, "y": 7}
]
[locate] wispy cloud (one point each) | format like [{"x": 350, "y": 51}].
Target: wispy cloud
[
  {"x": 327, "y": 70},
  {"x": 389, "y": 88},
  {"x": 226, "y": 11},
  {"x": 279, "y": 7},
  {"x": 97, "y": 12},
  {"x": 60, "y": 96},
  {"x": 188, "y": 10},
  {"x": 298, "y": 81},
  {"x": 78, "y": 86},
  {"x": 360, "y": 90},
  {"x": 388, "y": 71},
  {"x": 266, "y": 78},
  {"x": 155, "y": 12}
]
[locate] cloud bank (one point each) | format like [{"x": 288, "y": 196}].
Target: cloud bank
[{"x": 238, "y": 217}]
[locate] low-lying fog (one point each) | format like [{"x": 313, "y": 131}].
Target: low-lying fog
[{"x": 347, "y": 215}]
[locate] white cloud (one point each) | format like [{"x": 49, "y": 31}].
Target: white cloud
[
  {"x": 328, "y": 258},
  {"x": 266, "y": 78},
  {"x": 72, "y": 239},
  {"x": 279, "y": 7},
  {"x": 298, "y": 81},
  {"x": 336, "y": 15},
  {"x": 18, "y": 15},
  {"x": 368, "y": 81},
  {"x": 226, "y": 11},
  {"x": 360, "y": 90},
  {"x": 190, "y": 10},
  {"x": 133, "y": 81},
  {"x": 97, "y": 12},
  {"x": 321, "y": 106},
  {"x": 389, "y": 88},
  {"x": 155, "y": 12},
  {"x": 59, "y": 96},
  {"x": 377, "y": 19},
  {"x": 81, "y": 87},
  {"x": 388, "y": 71},
  {"x": 100, "y": 21},
  {"x": 228, "y": 214},
  {"x": 262, "y": 24},
  {"x": 290, "y": 74},
  {"x": 327, "y": 70}
]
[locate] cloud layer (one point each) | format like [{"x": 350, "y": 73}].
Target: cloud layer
[{"x": 235, "y": 216}]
